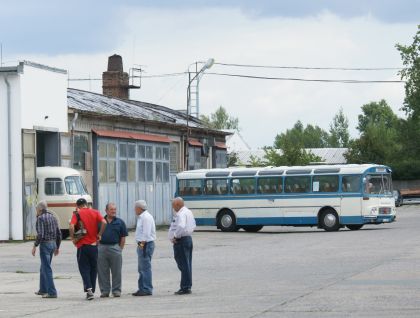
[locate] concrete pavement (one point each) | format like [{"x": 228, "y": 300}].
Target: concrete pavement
[{"x": 279, "y": 272}]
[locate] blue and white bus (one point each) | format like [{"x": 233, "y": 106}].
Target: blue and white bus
[{"x": 327, "y": 196}]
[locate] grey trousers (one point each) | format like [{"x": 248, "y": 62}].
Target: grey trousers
[{"x": 109, "y": 262}]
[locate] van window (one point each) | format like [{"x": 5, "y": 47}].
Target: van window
[
  {"x": 54, "y": 186},
  {"x": 75, "y": 185}
]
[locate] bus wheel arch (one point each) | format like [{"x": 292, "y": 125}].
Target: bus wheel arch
[
  {"x": 226, "y": 220},
  {"x": 328, "y": 219}
]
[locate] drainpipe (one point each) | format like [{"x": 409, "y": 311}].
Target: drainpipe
[
  {"x": 73, "y": 126},
  {"x": 9, "y": 151}
]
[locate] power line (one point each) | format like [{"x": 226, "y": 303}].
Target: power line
[
  {"x": 311, "y": 68},
  {"x": 143, "y": 76},
  {"x": 344, "y": 81}
]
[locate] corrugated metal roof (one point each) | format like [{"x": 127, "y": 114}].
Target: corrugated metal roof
[
  {"x": 327, "y": 155},
  {"x": 94, "y": 103}
]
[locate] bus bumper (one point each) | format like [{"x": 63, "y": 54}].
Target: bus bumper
[{"x": 378, "y": 219}]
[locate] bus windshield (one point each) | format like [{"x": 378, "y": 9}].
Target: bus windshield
[
  {"x": 378, "y": 184},
  {"x": 75, "y": 185}
]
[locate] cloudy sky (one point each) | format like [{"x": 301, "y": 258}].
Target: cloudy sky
[{"x": 166, "y": 36}]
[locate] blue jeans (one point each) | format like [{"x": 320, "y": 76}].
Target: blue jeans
[
  {"x": 87, "y": 259},
  {"x": 145, "y": 267},
  {"x": 46, "y": 281},
  {"x": 183, "y": 256}
]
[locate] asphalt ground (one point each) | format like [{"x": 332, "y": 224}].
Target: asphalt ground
[{"x": 278, "y": 272}]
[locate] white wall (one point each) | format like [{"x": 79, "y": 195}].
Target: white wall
[
  {"x": 16, "y": 159},
  {"x": 35, "y": 93},
  {"x": 44, "y": 93}
]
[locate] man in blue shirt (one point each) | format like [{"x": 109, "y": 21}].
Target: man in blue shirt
[{"x": 110, "y": 253}]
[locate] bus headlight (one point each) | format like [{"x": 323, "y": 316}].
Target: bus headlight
[{"x": 374, "y": 211}]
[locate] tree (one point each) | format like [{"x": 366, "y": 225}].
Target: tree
[
  {"x": 376, "y": 113},
  {"x": 408, "y": 167},
  {"x": 220, "y": 119},
  {"x": 304, "y": 137},
  {"x": 379, "y": 140},
  {"x": 410, "y": 56},
  {"x": 233, "y": 159},
  {"x": 254, "y": 161},
  {"x": 339, "y": 131}
]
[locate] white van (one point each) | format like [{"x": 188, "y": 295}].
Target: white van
[{"x": 61, "y": 187}]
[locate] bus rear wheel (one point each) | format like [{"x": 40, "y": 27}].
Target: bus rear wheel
[
  {"x": 226, "y": 221},
  {"x": 252, "y": 228},
  {"x": 354, "y": 227},
  {"x": 329, "y": 220}
]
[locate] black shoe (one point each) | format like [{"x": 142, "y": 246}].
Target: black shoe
[
  {"x": 183, "y": 292},
  {"x": 116, "y": 294},
  {"x": 104, "y": 295},
  {"x": 141, "y": 293},
  {"x": 40, "y": 293},
  {"x": 49, "y": 296}
]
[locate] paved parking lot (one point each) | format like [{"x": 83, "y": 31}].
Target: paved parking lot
[{"x": 279, "y": 272}]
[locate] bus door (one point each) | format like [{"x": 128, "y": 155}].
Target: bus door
[{"x": 351, "y": 199}]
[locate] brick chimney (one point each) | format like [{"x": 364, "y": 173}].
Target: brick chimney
[{"x": 115, "y": 80}]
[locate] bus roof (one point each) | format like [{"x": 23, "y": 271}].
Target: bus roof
[{"x": 277, "y": 171}]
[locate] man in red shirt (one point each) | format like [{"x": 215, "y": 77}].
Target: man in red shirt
[{"x": 87, "y": 249}]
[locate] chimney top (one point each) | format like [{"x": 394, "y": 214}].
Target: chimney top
[{"x": 115, "y": 63}]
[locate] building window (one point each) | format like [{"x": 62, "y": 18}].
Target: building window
[
  {"x": 162, "y": 164},
  {"x": 80, "y": 146},
  {"x": 194, "y": 158},
  {"x": 107, "y": 162},
  {"x": 174, "y": 157},
  {"x": 220, "y": 158},
  {"x": 145, "y": 163}
]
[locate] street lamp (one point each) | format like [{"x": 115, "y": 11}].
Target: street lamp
[{"x": 196, "y": 77}]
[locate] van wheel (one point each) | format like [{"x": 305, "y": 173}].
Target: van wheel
[
  {"x": 252, "y": 228},
  {"x": 226, "y": 221},
  {"x": 64, "y": 234},
  {"x": 329, "y": 221},
  {"x": 354, "y": 227}
]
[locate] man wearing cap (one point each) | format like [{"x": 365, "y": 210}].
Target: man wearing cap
[
  {"x": 87, "y": 249},
  {"x": 110, "y": 252},
  {"x": 179, "y": 234},
  {"x": 48, "y": 239},
  {"x": 145, "y": 239}
]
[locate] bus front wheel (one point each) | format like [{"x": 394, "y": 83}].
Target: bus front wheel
[
  {"x": 252, "y": 228},
  {"x": 329, "y": 220},
  {"x": 226, "y": 221},
  {"x": 354, "y": 227}
]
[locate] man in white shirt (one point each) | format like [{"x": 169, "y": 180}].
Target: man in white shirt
[
  {"x": 145, "y": 239},
  {"x": 179, "y": 234}
]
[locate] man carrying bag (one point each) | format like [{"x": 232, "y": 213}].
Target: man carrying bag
[{"x": 87, "y": 220}]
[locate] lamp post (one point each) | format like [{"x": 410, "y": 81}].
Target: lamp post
[{"x": 196, "y": 77}]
